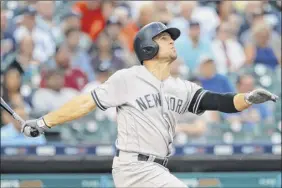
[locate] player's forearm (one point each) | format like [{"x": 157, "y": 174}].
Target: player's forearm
[
  {"x": 224, "y": 102},
  {"x": 233, "y": 102},
  {"x": 78, "y": 107}
]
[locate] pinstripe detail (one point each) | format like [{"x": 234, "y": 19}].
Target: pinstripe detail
[
  {"x": 194, "y": 100},
  {"x": 199, "y": 98},
  {"x": 98, "y": 103}
]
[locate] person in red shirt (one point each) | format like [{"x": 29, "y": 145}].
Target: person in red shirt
[
  {"x": 93, "y": 16},
  {"x": 74, "y": 77}
]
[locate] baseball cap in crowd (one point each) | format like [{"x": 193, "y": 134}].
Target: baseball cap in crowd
[
  {"x": 70, "y": 14},
  {"x": 194, "y": 23},
  {"x": 103, "y": 67},
  {"x": 21, "y": 12},
  {"x": 113, "y": 21}
]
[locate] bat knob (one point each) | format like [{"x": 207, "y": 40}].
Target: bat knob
[
  {"x": 31, "y": 132},
  {"x": 34, "y": 132}
]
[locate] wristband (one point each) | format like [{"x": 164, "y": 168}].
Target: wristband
[{"x": 42, "y": 124}]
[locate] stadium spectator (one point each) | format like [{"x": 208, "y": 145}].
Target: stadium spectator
[
  {"x": 162, "y": 12},
  {"x": 70, "y": 20},
  {"x": 11, "y": 131},
  {"x": 130, "y": 27},
  {"x": 258, "y": 19},
  {"x": 224, "y": 9},
  {"x": 234, "y": 21},
  {"x": 44, "y": 46},
  {"x": 74, "y": 77},
  {"x": 192, "y": 47},
  {"x": 45, "y": 18},
  {"x": 185, "y": 16},
  {"x": 79, "y": 57},
  {"x": 146, "y": 14},
  {"x": 53, "y": 95},
  {"x": 270, "y": 13},
  {"x": 93, "y": 16},
  {"x": 261, "y": 50},
  {"x": 24, "y": 57},
  {"x": 113, "y": 29},
  {"x": 104, "y": 54},
  {"x": 228, "y": 53},
  {"x": 12, "y": 79},
  {"x": 210, "y": 79},
  {"x": 247, "y": 34},
  {"x": 192, "y": 11},
  {"x": 8, "y": 43},
  {"x": 25, "y": 52},
  {"x": 251, "y": 12},
  {"x": 256, "y": 114}
]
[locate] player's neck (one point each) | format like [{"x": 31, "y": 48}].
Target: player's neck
[{"x": 160, "y": 70}]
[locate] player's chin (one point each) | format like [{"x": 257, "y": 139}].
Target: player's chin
[{"x": 173, "y": 57}]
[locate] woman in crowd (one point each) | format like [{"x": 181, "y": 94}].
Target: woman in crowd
[{"x": 262, "y": 51}]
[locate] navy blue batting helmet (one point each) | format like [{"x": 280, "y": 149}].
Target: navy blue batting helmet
[{"x": 144, "y": 46}]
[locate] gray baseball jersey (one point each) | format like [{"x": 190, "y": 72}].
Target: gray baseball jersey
[{"x": 147, "y": 108}]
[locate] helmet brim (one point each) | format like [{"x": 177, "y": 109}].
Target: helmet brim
[{"x": 174, "y": 32}]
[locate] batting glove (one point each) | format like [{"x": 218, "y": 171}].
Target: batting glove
[
  {"x": 34, "y": 128},
  {"x": 260, "y": 96}
]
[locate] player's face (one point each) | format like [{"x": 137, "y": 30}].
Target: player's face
[{"x": 167, "y": 50}]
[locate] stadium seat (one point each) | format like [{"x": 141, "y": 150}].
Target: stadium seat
[{"x": 90, "y": 130}]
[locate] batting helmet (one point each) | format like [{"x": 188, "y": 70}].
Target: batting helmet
[{"x": 144, "y": 46}]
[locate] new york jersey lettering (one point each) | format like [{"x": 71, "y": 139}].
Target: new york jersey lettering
[{"x": 154, "y": 100}]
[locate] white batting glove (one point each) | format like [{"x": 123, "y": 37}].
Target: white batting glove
[{"x": 34, "y": 128}]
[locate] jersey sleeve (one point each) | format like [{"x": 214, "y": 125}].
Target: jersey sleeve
[
  {"x": 111, "y": 93},
  {"x": 195, "y": 95}
]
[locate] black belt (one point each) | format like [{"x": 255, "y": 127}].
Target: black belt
[{"x": 142, "y": 157}]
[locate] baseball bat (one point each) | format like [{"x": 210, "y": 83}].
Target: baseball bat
[{"x": 5, "y": 106}]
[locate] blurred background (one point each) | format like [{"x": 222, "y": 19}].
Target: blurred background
[{"x": 52, "y": 51}]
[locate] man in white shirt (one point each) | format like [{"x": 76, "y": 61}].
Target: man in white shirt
[
  {"x": 44, "y": 45},
  {"x": 228, "y": 53},
  {"x": 190, "y": 10},
  {"x": 45, "y": 19}
]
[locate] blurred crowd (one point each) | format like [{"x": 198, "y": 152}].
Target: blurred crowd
[{"x": 52, "y": 51}]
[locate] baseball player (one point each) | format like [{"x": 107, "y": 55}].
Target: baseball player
[{"x": 148, "y": 101}]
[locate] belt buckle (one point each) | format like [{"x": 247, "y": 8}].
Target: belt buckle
[{"x": 165, "y": 162}]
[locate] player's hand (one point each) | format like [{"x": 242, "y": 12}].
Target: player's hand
[
  {"x": 34, "y": 128},
  {"x": 260, "y": 96}
]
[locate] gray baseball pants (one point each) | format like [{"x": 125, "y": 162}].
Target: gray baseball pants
[{"x": 129, "y": 172}]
